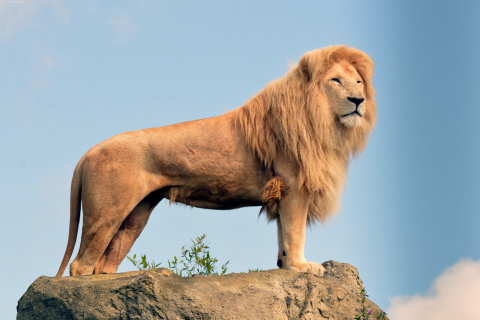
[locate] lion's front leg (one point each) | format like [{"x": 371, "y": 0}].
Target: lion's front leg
[
  {"x": 293, "y": 213},
  {"x": 282, "y": 256}
]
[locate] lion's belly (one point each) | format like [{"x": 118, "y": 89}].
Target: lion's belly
[
  {"x": 215, "y": 192},
  {"x": 221, "y": 203}
]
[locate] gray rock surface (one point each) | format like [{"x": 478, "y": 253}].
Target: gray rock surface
[{"x": 159, "y": 294}]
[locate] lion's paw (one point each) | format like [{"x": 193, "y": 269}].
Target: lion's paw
[
  {"x": 282, "y": 263},
  {"x": 308, "y": 267},
  {"x": 282, "y": 260}
]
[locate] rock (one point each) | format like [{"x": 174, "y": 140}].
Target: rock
[{"x": 160, "y": 294}]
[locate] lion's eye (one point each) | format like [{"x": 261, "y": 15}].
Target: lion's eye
[{"x": 336, "y": 80}]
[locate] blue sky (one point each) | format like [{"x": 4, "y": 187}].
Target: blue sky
[{"x": 75, "y": 74}]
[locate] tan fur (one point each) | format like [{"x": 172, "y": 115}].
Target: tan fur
[
  {"x": 286, "y": 150},
  {"x": 314, "y": 139},
  {"x": 272, "y": 195}
]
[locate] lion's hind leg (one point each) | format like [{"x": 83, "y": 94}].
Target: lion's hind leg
[
  {"x": 103, "y": 216},
  {"x": 94, "y": 241},
  {"x": 128, "y": 232}
]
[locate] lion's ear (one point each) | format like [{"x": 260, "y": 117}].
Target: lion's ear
[{"x": 304, "y": 67}]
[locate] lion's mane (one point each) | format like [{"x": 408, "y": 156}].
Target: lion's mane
[{"x": 292, "y": 115}]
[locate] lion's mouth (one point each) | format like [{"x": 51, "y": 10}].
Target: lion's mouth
[{"x": 352, "y": 113}]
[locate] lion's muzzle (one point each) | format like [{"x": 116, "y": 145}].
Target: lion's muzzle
[
  {"x": 356, "y": 101},
  {"x": 358, "y": 111}
]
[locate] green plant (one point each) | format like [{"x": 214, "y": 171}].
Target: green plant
[
  {"x": 193, "y": 260},
  {"x": 142, "y": 264},
  {"x": 364, "y": 312},
  {"x": 196, "y": 260},
  {"x": 252, "y": 270}
]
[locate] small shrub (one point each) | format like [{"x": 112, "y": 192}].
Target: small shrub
[
  {"x": 142, "y": 264},
  {"x": 364, "y": 312},
  {"x": 193, "y": 260},
  {"x": 196, "y": 260},
  {"x": 252, "y": 270}
]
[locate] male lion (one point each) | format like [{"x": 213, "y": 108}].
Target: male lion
[{"x": 287, "y": 150}]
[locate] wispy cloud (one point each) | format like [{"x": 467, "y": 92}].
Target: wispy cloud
[
  {"x": 455, "y": 294},
  {"x": 124, "y": 27},
  {"x": 46, "y": 64},
  {"x": 15, "y": 15}
]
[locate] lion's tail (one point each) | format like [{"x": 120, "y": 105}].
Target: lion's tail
[{"x": 75, "y": 205}]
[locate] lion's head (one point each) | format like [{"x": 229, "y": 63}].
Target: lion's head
[
  {"x": 343, "y": 87},
  {"x": 342, "y": 76},
  {"x": 319, "y": 115}
]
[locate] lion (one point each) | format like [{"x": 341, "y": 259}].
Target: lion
[{"x": 286, "y": 150}]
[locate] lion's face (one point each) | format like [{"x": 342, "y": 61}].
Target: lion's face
[{"x": 344, "y": 89}]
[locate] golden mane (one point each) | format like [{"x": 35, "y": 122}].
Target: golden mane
[{"x": 292, "y": 116}]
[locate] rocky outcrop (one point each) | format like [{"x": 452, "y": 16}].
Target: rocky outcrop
[{"x": 159, "y": 294}]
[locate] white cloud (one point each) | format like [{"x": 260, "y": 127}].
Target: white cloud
[
  {"x": 455, "y": 294},
  {"x": 45, "y": 65},
  {"x": 14, "y": 14},
  {"x": 49, "y": 62},
  {"x": 17, "y": 14},
  {"x": 123, "y": 26}
]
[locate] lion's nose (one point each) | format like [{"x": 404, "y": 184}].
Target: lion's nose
[{"x": 357, "y": 101}]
